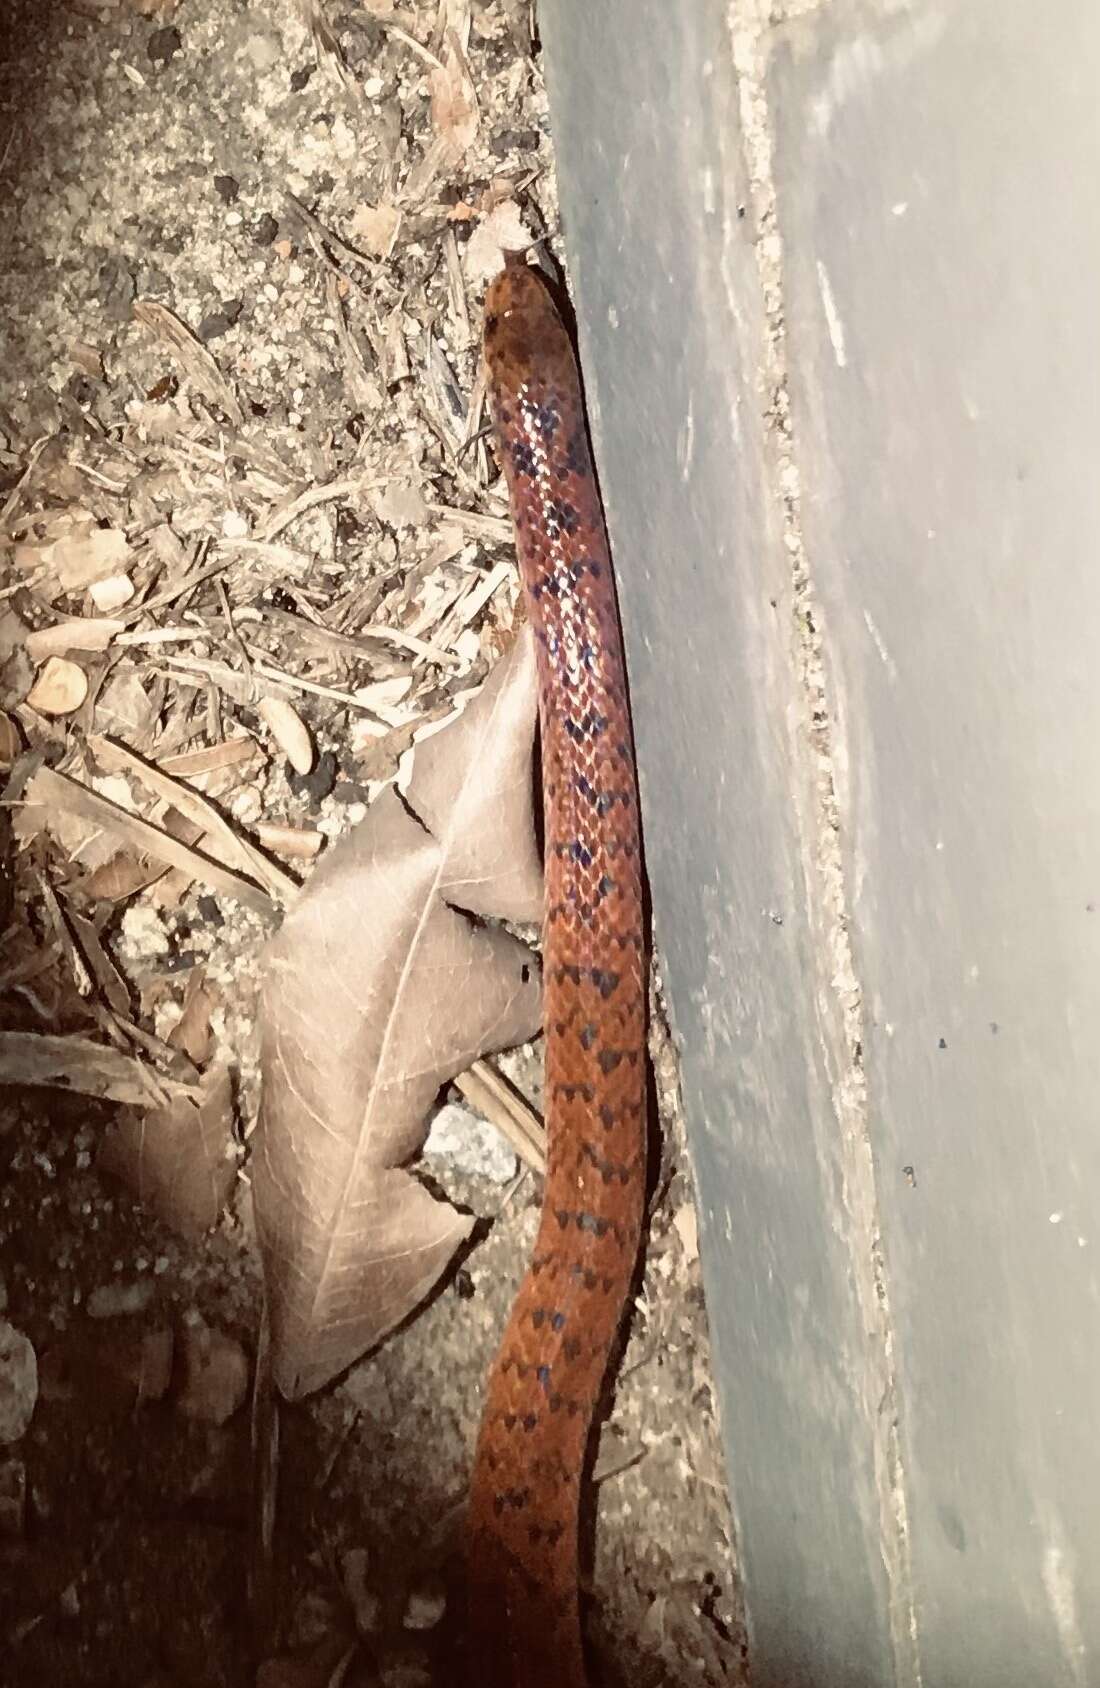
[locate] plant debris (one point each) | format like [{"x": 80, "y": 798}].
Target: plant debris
[{"x": 256, "y": 581}]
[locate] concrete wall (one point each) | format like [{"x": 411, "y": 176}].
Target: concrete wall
[{"x": 838, "y": 284}]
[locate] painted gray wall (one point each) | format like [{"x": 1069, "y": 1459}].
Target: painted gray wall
[{"x": 838, "y": 289}]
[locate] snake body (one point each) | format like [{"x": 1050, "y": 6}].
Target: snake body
[{"x": 548, "y": 1376}]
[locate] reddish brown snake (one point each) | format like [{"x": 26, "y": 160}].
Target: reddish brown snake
[{"x": 549, "y": 1374}]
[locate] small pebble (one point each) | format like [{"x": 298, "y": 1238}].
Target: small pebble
[
  {"x": 18, "y": 1382},
  {"x": 471, "y": 1144},
  {"x": 114, "y": 1301}
]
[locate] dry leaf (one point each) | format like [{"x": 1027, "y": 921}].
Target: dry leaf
[
  {"x": 63, "y": 802},
  {"x": 59, "y": 689},
  {"x": 87, "y": 358},
  {"x": 289, "y": 732},
  {"x": 178, "y": 1160},
  {"x": 78, "y": 1063},
  {"x": 500, "y": 230},
  {"x": 125, "y": 708},
  {"x": 379, "y": 988},
  {"x": 123, "y": 875},
  {"x": 219, "y": 838},
  {"x": 191, "y": 356},
  {"x": 192, "y": 1032}
]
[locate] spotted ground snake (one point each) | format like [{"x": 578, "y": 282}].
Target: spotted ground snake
[{"x": 550, "y": 1373}]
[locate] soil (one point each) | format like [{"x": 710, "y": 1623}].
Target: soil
[{"x": 318, "y": 194}]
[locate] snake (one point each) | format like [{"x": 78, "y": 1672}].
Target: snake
[{"x": 549, "y": 1375}]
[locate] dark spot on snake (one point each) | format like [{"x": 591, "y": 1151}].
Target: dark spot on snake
[
  {"x": 524, "y": 460},
  {"x": 609, "y": 1059},
  {"x": 579, "y": 852},
  {"x": 606, "y": 885},
  {"x": 586, "y": 1222},
  {"x": 588, "y": 1035},
  {"x": 557, "y": 1321},
  {"x": 571, "y": 1347},
  {"x": 576, "y": 454},
  {"x": 530, "y": 1420},
  {"x": 606, "y": 983},
  {"x": 538, "y": 1317},
  {"x": 544, "y": 418},
  {"x": 543, "y": 1376},
  {"x": 607, "y": 1115},
  {"x": 561, "y": 516}
]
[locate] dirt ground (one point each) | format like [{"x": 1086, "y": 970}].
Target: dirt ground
[{"x": 317, "y": 195}]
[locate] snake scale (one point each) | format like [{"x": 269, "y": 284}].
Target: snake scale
[{"x": 548, "y": 1377}]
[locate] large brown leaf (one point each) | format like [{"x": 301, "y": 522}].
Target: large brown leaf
[{"x": 380, "y": 987}]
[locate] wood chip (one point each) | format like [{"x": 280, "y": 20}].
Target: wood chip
[
  {"x": 375, "y": 227},
  {"x": 112, "y": 593},
  {"x": 84, "y": 633},
  {"x": 60, "y": 688},
  {"x": 289, "y": 732},
  {"x": 299, "y": 843},
  {"x": 10, "y": 742},
  {"x": 75, "y": 550}
]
